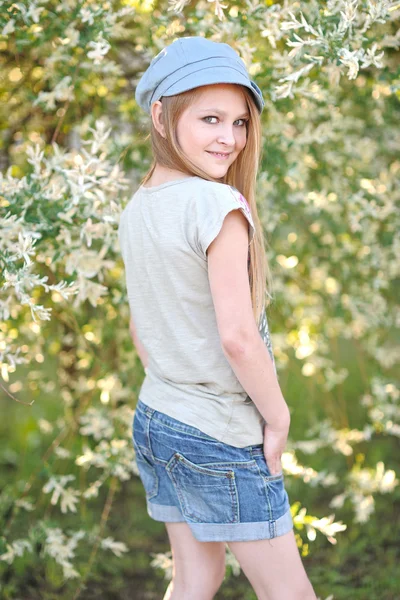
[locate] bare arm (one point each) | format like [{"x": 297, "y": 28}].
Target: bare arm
[
  {"x": 241, "y": 341},
  {"x": 139, "y": 348}
]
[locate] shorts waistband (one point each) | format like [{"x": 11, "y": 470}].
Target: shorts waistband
[
  {"x": 145, "y": 408},
  {"x": 254, "y": 449}
]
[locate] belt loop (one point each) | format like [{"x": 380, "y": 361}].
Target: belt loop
[
  {"x": 149, "y": 411},
  {"x": 146, "y": 408}
]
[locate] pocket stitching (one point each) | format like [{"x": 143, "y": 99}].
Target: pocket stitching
[
  {"x": 249, "y": 464},
  {"x": 177, "y": 458},
  {"x": 228, "y": 474},
  {"x": 276, "y": 477}
]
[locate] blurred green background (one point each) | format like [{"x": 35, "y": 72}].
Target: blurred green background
[{"x": 73, "y": 148}]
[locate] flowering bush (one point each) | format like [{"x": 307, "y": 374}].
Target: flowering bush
[{"x": 327, "y": 199}]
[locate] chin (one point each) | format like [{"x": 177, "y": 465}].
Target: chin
[{"x": 217, "y": 173}]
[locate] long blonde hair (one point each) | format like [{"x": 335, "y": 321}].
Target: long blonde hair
[{"x": 242, "y": 175}]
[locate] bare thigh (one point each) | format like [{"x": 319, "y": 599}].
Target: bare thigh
[
  {"x": 198, "y": 567},
  {"x": 274, "y": 568}
]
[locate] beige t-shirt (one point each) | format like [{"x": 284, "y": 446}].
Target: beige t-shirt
[{"x": 164, "y": 232}]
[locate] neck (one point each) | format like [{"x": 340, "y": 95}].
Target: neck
[{"x": 162, "y": 175}]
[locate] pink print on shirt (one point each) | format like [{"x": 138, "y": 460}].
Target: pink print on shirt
[{"x": 244, "y": 204}]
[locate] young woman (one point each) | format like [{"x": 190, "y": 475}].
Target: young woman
[{"x": 211, "y": 423}]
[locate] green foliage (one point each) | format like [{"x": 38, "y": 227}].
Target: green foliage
[{"x": 73, "y": 148}]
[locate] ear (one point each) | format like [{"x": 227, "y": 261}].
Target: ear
[{"x": 157, "y": 117}]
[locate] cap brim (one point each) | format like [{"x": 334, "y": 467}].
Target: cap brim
[{"x": 211, "y": 76}]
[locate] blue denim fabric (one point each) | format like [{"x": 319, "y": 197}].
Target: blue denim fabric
[{"x": 224, "y": 493}]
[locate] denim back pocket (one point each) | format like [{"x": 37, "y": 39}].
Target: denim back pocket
[{"x": 206, "y": 495}]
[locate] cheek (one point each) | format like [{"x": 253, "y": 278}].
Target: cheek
[
  {"x": 241, "y": 139},
  {"x": 190, "y": 137},
  {"x": 180, "y": 134},
  {"x": 196, "y": 138}
]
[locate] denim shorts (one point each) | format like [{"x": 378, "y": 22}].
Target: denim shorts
[{"x": 222, "y": 492}]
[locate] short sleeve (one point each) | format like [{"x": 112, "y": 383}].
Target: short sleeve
[{"x": 216, "y": 202}]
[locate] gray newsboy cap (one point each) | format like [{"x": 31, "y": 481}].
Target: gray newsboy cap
[{"x": 190, "y": 62}]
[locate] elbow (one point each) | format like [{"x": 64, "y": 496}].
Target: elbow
[{"x": 236, "y": 343}]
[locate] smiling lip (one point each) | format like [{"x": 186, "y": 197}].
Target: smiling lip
[{"x": 221, "y": 155}]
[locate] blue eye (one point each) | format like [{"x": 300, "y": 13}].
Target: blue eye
[
  {"x": 244, "y": 121},
  {"x": 210, "y": 117}
]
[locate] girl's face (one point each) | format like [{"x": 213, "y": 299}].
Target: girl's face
[{"x": 212, "y": 130}]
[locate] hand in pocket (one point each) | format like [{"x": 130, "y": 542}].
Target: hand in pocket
[{"x": 274, "y": 445}]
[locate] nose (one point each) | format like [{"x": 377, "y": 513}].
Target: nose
[{"x": 226, "y": 135}]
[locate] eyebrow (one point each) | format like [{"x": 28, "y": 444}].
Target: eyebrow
[{"x": 221, "y": 112}]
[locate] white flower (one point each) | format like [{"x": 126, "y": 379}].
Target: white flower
[
  {"x": 62, "y": 92},
  {"x": 86, "y": 459},
  {"x": 91, "y": 291},
  {"x": 100, "y": 135},
  {"x": 283, "y": 91},
  {"x": 62, "y": 549},
  {"x": 297, "y": 74},
  {"x": 93, "y": 490},
  {"x": 15, "y": 549},
  {"x": 370, "y": 58},
  {"x": 25, "y": 504},
  {"x": 348, "y": 15},
  {"x": 116, "y": 547},
  {"x": 122, "y": 473},
  {"x": 350, "y": 60},
  {"x": 69, "y": 496},
  {"x": 33, "y": 12},
  {"x": 5, "y": 306},
  {"x": 100, "y": 49},
  {"x": 329, "y": 527},
  {"x": 177, "y": 5},
  {"x": 35, "y": 158},
  {"x": 62, "y": 452},
  {"x": 338, "y": 501},
  {"x": 96, "y": 423},
  {"x": 37, "y": 310},
  {"x": 45, "y": 426},
  {"x": 87, "y": 16},
  {"x": 24, "y": 248},
  {"x": 364, "y": 506},
  {"x": 163, "y": 560},
  {"x": 9, "y": 28}
]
